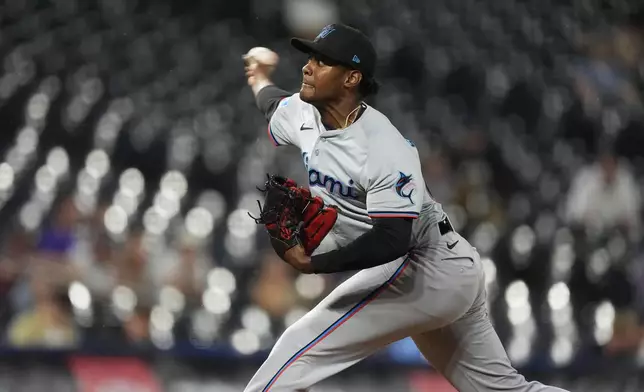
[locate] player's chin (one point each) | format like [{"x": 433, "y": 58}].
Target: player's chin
[{"x": 307, "y": 93}]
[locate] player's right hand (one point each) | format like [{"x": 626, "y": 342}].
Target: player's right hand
[{"x": 259, "y": 64}]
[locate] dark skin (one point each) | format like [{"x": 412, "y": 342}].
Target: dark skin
[
  {"x": 298, "y": 259},
  {"x": 332, "y": 89}
]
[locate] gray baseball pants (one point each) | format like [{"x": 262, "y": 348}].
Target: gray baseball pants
[{"x": 435, "y": 295}]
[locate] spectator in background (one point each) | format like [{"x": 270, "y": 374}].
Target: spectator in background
[
  {"x": 604, "y": 200},
  {"x": 274, "y": 290},
  {"x": 92, "y": 257},
  {"x": 49, "y": 259},
  {"x": 13, "y": 259},
  {"x": 132, "y": 268},
  {"x": 627, "y": 333},
  {"x": 56, "y": 242},
  {"x": 136, "y": 327},
  {"x": 186, "y": 269},
  {"x": 605, "y": 81},
  {"x": 95, "y": 267},
  {"x": 58, "y": 236},
  {"x": 606, "y": 75},
  {"x": 147, "y": 269},
  {"x": 49, "y": 324},
  {"x": 605, "y": 196}
]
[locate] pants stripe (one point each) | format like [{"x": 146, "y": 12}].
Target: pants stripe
[{"x": 360, "y": 305}]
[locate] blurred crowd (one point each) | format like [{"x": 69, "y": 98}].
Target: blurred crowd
[
  {"x": 49, "y": 276},
  {"x": 41, "y": 272},
  {"x": 137, "y": 143}
]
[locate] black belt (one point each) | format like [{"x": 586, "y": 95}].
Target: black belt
[{"x": 445, "y": 226}]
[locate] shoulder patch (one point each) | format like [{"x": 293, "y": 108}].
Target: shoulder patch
[{"x": 284, "y": 101}]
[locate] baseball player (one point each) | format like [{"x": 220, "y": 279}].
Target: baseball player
[{"x": 417, "y": 277}]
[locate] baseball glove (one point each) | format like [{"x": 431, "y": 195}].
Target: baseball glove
[{"x": 292, "y": 216}]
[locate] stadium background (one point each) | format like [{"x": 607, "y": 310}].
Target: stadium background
[{"x": 131, "y": 148}]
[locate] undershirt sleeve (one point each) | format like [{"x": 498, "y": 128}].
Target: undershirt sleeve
[
  {"x": 269, "y": 98},
  {"x": 388, "y": 239}
]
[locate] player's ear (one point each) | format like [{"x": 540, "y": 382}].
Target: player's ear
[{"x": 353, "y": 79}]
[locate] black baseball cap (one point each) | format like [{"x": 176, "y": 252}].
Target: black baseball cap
[{"x": 344, "y": 45}]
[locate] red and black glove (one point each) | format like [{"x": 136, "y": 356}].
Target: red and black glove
[{"x": 293, "y": 217}]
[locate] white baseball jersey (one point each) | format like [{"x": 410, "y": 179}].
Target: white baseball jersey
[{"x": 368, "y": 170}]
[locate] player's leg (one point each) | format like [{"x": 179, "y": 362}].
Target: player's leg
[
  {"x": 370, "y": 310},
  {"x": 344, "y": 328},
  {"x": 331, "y": 337},
  {"x": 470, "y": 355}
]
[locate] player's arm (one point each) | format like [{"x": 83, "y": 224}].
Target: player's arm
[
  {"x": 268, "y": 99},
  {"x": 259, "y": 63},
  {"x": 386, "y": 241}
]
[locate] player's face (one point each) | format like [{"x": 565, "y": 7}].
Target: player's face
[{"x": 322, "y": 80}]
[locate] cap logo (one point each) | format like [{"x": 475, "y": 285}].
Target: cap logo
[
  {"x": 356, "y": 59},
  {"x": 325, "y": 32}
]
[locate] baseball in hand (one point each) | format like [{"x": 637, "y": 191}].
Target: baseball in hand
[{"x": 261, "y": 56}]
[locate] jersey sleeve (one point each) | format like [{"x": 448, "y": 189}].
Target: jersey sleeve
[
  {"x": 395, "y": 184},
  {"x": 282, "y": 127}
]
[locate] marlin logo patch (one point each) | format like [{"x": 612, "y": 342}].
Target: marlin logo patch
[{"x": 405, "y": 187}]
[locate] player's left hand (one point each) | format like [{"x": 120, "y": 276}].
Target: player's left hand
[
  {"x": 298, "y": 259},
  {"x": 293, "y": 217}
]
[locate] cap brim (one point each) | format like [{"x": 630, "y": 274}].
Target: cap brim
[{"x": 303, "y": 45}]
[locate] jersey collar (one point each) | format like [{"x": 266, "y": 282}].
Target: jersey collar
[{"x": 332, "y": 131}]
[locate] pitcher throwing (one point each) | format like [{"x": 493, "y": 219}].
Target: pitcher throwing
[{"x": 417, "y": 277}]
